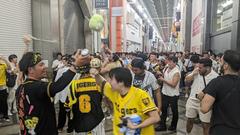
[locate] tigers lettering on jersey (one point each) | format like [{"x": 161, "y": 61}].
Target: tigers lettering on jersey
[
  {"x": 125, "y": 111},
  {"x": 136, "y": 102}
]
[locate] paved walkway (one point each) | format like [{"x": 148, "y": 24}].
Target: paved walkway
[{"x": 11, "y": 128}]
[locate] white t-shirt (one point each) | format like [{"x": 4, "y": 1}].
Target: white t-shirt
[
  {"x": 55, "y": 64},
  {"x": 149, "y": 83},
  {"x": 62, "y": 95},
  {"x": 198, "y": 83},
  {"x": 147, "y": 64},
  {"x": 180, "y": 64},
  {"x": 167, "y": 90}
]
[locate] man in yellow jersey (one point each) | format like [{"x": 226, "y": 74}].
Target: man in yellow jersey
[{"x": 129, "y": 103}]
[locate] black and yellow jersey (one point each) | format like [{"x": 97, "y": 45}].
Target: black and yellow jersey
[{"x": 85, "y": 102}]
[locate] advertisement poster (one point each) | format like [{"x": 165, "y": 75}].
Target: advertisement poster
[{"x": 196, "y": 39}]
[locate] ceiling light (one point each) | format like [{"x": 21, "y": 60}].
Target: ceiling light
[
  {"x": 227, "y": 3},
  {"x": 219, "y": 11},
  {"x": 140, "y": 9},
  {"x": 178, "y": 6},
  {"x": 149, "y": 21},
  {"x": 145, "y": 15}
]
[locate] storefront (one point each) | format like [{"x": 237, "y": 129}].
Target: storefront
[
  {"x": 221, "y": 27},
  {"x": 215, "y": 25},
  {"x": 15, "y": 22}
]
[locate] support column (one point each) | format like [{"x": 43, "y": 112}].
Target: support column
[
  {"x": 207, "y": 24},
  {"x": 188, "y": 24},
  {"x": 235, "y": 37},
  {"x": 115, "y": 27}
]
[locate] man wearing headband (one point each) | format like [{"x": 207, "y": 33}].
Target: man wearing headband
[{"x": 34, "y": 97}]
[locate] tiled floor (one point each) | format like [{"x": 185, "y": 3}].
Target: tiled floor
[{"x": 12, "y": 129}]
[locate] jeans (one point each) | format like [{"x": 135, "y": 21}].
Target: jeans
[
  {"x": 62, "y": 116},
  {"x": 3, "y": 103}
]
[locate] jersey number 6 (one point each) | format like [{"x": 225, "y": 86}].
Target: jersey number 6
[{"x": 84, "y": 103}]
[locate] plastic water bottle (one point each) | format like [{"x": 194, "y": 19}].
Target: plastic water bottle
[
  {"x": 84, "y": 52},
  {"x": 136, "y": 120}
]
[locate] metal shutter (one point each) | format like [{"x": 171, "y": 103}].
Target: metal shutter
[{"x": 15, "y": 21}]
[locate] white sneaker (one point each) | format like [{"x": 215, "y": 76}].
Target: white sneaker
[
  {"x": 167, "y": 119},
  {"x": 109, "y": 117},
  {"x": 6, "y": 119},
  {"x": 9, "y": 113},
  {"x": 14, "y": 111}
]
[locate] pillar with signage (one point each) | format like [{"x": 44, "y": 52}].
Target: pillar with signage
[
  {"x": 196, "y": 31},
  {"x": 101, "y": 7},
  {"x": 116, "y": 13}
]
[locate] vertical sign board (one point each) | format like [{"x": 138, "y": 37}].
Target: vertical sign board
[
  {"x": 116, "y": 11},
  {"x": 196, "y": 31},
  {"x": 101, "y": 4}
]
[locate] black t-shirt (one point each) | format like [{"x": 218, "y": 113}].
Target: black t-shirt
[
  {"x": 226, "y": 108},
  {"x": 35, "y": 107},
  {"x": 138, "y": 80}
]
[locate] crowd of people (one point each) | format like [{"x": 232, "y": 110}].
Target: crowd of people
[{"x": 137, "y": 89}]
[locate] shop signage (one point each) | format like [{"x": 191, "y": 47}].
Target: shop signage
[
  {"x": 101, "y": 3},
  {"x": 197, "y": 25},
  {"x": 117, "y": 11}
]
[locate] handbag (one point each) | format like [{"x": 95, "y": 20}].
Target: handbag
[{"x": 10, "y": 79}]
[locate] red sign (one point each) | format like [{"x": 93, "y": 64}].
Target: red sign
[{"x": 197, "y": 25}]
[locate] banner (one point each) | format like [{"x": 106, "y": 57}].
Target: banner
[{"x": 101, "y": 4}]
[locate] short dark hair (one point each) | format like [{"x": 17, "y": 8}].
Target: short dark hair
[
  {"x": 59, "y": 53},
  {"x": 115, "y": 57},
  {"x": 206, "y": 62},
  {"x": 122, "y": 75},
  {"x": 173, "y": 58},
  {"x": 194, "y": 58},
  {"x": 233, "y": 59},
  {"x": 138, "y": 63},
  {"x": 153, "y": 53},
  {"x": 205, "y": 52},
  {"x": 142, "y": 55},
  {"x": 220, "y": 55},
  {"x": 11, "y": 57}
]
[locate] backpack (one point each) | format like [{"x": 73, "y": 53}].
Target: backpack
[{"x": 11, "y": 79}]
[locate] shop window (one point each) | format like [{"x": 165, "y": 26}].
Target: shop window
[{"x": 222, "y": 17}]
